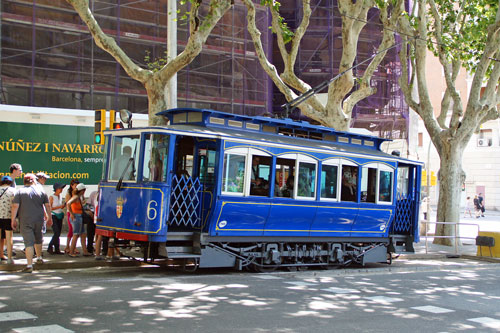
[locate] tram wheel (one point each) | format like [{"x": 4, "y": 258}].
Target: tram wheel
[
  {"x": 265, "y": 268},
  {"x": 190, "y": 268}
]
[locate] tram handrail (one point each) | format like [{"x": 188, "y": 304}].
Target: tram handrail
[{"x": 456, "y": 236}]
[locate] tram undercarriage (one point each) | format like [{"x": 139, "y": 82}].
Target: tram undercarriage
[{"x": 193, "y": 250}]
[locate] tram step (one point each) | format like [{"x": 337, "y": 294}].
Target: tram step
[
  {"x": 182, "y": 255},
  {"x": 181, "y": 252}
]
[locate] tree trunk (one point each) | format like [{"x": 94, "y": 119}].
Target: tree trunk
[
  {"x": 156, "y": 91},
  {"x": 450, "y": 180}
]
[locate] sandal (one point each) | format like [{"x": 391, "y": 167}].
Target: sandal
[{"x": 73, "y": 255}]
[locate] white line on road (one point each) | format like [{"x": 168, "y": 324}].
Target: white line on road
[
  {"x": 432, "y": 309},
  {"x": 17, "y": 315},
  {"x": 43, "y": 329},
  {"x": 486, "y": 321}
]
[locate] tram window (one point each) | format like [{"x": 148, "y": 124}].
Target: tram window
[
  {"x": 124, "y": 161},
  {"x": 260, "y": 175},
  {"x": 385, "y": 186},
  {"x": 329, "y": 174},
  {"x": 233, "y": 176},
  {"x": 155, "y": 158},
  {"x": 349, "y": 190},
  {"x": 403, "y": 181},
  {"x": 284, "y": 178},
  {"x": 368, "y": 184},
  {"x": 307, "y": 180},
  {"x": 207, "y": 166}
]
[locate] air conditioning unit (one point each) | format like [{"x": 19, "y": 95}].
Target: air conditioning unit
[{"x": 482, "y": 142}]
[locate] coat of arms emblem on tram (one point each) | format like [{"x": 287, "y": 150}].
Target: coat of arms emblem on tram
[{"x": 119, "y": 207}]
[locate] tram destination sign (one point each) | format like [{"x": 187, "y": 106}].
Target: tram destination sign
[{"x": 63, "y": 152}]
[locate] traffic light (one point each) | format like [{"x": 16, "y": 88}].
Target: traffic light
[
  {"x": 113, "y": 123},
  {"x": 99, "y": 126}
]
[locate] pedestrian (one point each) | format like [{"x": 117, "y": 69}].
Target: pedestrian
[
  {"x": 75, "y": 208},
  {"x": 56, "y": 205},
  {"x": 90, "y": 211},
  {"x": 69, "y": 194},
  {"x": 41, "y": 178},
  {"x": 6, "y": 196},
  {"x": 481, "y": 203},
  {"x": 16, "y": 171},
  {"x": 468, "y": 205},
  {"x": 477, "y": 208},
  {"x": 31, "y": 203}
]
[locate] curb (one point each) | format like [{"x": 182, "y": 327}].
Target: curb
[{"x": 71, "y": 265}]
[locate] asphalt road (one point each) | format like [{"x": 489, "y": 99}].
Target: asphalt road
[{"x": 450, "y": 296}]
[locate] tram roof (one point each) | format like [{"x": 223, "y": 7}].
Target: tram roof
[{"x": 267, "y": 125}]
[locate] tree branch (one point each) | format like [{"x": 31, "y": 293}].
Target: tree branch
[
  {"x": 200, "y": 30},
  {"x": 108, "y": 43}
]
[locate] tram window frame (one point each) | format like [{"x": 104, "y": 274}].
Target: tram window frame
[
  {"x": 136, "y": 146},
  {"x": 380, "y": 168},
  {"x": 224, "y": 180},
  {"x": 403, "y": 181},
  {"x": 162, "y": 154},
  {"x": 329, "y": 163},
  {"x": 279, "y": 166},
  {"x": 369, "y": 183},
  {"x": 301, "y": 159},
  {"x": 385, "y": 168},
  {"x": 251, "y": 191},
  {"x": 348, "y": 164}
]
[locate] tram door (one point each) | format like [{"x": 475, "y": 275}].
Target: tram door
[
  {"x": 407, "y": 200},
  {"x": 206, "y": 169},
  {"x": 185, "y": 201}
]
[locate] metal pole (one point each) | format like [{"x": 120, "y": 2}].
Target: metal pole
[
  {"x": 427, "y": 218},
  {"x": 171, "y": 87},
  {"x": 456, "y": 238}
]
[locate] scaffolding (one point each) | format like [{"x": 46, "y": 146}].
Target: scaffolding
[
  {"x": 385, "y": 113},
  {"x": 49, "y": 59}
]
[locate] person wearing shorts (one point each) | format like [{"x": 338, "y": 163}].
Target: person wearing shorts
[
  {"x": 75, "y": 209},
  {"x": 69, "y": 195},
  {"x": 30, "y": 202},
  {"x": 6, "y": 195}
]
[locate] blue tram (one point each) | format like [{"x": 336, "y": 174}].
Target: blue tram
[{"x": 214, "y": 189}]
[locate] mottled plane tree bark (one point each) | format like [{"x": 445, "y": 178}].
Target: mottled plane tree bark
[
  {"x": 155, "y": 81},
  {"x": 461, "y": 34},
  {"x": 341, "y": 96}
]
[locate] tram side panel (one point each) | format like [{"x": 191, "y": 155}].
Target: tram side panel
[{"x": 134, "y": 209}]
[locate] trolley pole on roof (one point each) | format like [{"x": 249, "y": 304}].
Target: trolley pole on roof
[{"x": 294, "y": 103}]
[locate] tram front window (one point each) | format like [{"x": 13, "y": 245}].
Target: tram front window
[
  {"x": 124, "y": 158},
  {"x": 155, "y": 158}
]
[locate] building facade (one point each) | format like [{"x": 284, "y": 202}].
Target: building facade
[{"x": 48, "y": 59}]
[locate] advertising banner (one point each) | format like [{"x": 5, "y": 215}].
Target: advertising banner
[{"x": 63, "y": 152}]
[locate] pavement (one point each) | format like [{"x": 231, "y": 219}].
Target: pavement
[{"x": 424, "y": 250}]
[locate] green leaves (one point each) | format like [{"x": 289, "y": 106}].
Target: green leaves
[
  {"x": 157, "y": 63},
  {"x": 285, "y": 31},
  {"x": 464, "y": 29}
]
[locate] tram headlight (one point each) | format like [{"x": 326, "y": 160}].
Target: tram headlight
[{"x": 126, "y": 117}]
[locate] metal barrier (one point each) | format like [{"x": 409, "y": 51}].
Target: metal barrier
[{"x": 456, "y": 236}]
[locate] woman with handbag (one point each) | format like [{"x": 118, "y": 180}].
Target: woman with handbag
[
  {"x": 56, "y": 204},
  {"x": 75, "y": 209}
]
